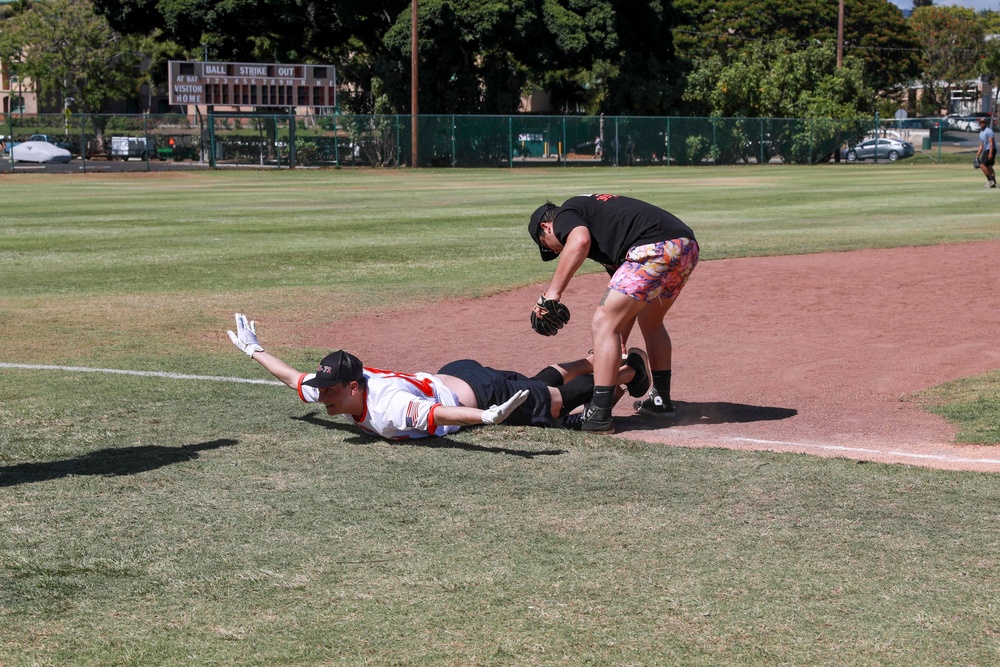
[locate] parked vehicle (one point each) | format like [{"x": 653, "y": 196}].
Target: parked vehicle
[
  {"x": 39, "y": 151},
  {"x": 881, "y": 149},
  {"x": 177, "y": 147},
  {"x": 54, "y": 140},
  {"x": 967, "y": 123},
  {"x": 123, "y": 148}
]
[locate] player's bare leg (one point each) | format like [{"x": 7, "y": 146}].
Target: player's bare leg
[
  {"x": 660, "y": 351},
  {"x": 613, "y": 316}
]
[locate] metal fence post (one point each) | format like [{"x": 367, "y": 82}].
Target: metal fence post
[
  {"x": 10, "y": 139},
  {"x": 875, "y": 152},
  {"x": 145, "y": 135},
  {"x": 453, "y": 140},
  {"x": 810, "y": 141},
  {"x": 291, "y": 141},
  {"x": 616, "y": 141},
  {"x": 668, "y": 141},
  {"x": 83, "y": 143},
  {"x": 761, "y": 141},
  {"x": 277, "y": 148},
  {"x": 565, "y": 147},
  {"x": 336, "y": 143},
  {"x": 510, "y": 141},
  {"x": 211, "y": 138},
  {"x": 715, "y": 150}
]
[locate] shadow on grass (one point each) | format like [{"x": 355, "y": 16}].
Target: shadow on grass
[
  {"x": 707, "y": 413},
  {"x": 108, "y": 462},
  {"x": 356, "y": 438}
]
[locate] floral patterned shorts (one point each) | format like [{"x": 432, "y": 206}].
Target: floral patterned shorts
[{"x": 656, "y": 271}]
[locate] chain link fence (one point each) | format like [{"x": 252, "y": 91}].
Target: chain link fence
[{"x": 136, "y": 142}]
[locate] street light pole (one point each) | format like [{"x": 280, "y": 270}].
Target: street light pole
[
  {"x": 414, "y": 78},
  {"x": 840, "y": 35}
]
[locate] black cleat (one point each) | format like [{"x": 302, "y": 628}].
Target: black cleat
[{"x": 654, "y": 406}]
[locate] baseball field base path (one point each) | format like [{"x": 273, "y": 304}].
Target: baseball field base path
[{"x": 807, "y": 353}]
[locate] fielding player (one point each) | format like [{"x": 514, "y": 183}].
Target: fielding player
[
  {"x": 986, "y": 156},
  {"x": 403, "y": 405},
  {"x": 649, "y": 254}
]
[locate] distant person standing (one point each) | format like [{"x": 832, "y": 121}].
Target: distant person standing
[
  {"x": 598, "y": 147},
  {"x": 629, "y": 151},
  {"x": 987, "y": 152}
]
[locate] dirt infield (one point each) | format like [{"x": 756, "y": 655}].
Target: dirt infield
[{"x": 808, "y": 353}]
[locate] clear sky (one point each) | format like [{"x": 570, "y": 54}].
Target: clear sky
[{"x": 971, "y": 4}]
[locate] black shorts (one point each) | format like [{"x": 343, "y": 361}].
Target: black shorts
[
  {"x": 989, "y": 163},
  {"x": 493, "y": 387}
]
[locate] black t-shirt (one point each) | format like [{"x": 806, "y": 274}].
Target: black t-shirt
[{"x": 616, "y": 225}]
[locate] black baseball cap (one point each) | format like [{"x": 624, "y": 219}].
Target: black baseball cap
[
  {"x": 336, "y": 367},
  {"x": 533, "y": 225}
]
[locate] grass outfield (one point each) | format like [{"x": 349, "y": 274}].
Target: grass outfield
[{"x": 156, "y": 521}]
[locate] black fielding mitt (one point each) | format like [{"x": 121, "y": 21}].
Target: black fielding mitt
[
  {"x": 975, "y": 163},
  {"x": 548, "y": 316}
]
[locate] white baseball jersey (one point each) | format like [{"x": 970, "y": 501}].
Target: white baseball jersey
[{"x": 397, "y": 405}]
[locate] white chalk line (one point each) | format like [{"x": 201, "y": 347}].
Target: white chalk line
[
  {"x": 856, "y": 450},
  {"x": 157, "y": 374},
  {"x": 755, "y": 441}
]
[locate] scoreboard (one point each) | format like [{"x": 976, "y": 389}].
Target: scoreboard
[{"x": 252, "y": 84}]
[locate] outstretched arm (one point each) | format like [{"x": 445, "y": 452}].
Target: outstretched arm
[
  {"x": 245, "y": 338},
  {"x": 461, "y": 416}
]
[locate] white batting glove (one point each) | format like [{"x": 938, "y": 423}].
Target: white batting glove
[
  {"x": 497, "y": 413},
  {"x": 245, "y": 336}
]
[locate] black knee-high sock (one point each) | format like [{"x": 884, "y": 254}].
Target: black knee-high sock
[
  {"x": 661, "y": 383},
  {"x": 575, "y": 393},
  {"x": 550, "y": 376}
]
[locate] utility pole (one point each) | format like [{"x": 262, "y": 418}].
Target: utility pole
[
  {"x": 840, "y": 35},
  {"x": 414, "y": 78}
]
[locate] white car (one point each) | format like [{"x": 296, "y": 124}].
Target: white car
[{"x": 40, "y": 151}]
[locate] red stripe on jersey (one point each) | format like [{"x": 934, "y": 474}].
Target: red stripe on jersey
[
  {"x": 425, "y": 386},
  {"x": 298, "y": 386},
  {"x": 431, "y": 426}
]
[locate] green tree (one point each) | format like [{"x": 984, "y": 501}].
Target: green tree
[
  {"x": 650, "y": 79},
  {"x": 475, "y": 56},
  {"x": 467, "y": 56},
  {"x": 778, "y": 80},
  {"x": 71, "y": 53},
  {"x": 874, "y": 32},
  {"x": 953, "y": 45},
  {"x": 989, "y": 65},
  {"x": 348, "y": 34}
]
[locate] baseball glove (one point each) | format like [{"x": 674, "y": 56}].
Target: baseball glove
[
  {"x": 549, "y": 316},
  {"x": 975, "y": 163}
]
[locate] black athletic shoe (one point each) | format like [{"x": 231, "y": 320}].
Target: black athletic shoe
[
  {"x": 654, "y": 406},
  {"x": 597, "y": 420},
  {"x": 639, "y": 362},
  {"x": 572, "y": 421}
]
